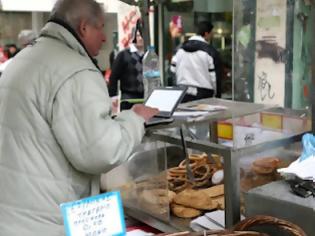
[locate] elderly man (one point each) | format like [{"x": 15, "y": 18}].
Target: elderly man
[{"x": 57, "y": 135}]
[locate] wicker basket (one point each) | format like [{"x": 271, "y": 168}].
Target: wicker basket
[
  {"x": 243, "y": 228},
  {"x": 287, "y": 226}
]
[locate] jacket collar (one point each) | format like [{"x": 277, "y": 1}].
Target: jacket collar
[
  {"x": 134, "y": 49},
  {"x": 198, "y": 38},
  {"x": 60, "y": 30}
]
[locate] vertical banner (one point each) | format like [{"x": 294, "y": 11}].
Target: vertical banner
[
  {"x": 127, "y": 20},
  {"x": 270, "y": 52},
  {"x": 127, "y": 16}
]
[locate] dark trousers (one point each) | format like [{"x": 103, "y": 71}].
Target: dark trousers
[{"x": 201, "y": 93}]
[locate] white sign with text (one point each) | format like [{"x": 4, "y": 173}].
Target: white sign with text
[{"x": 94, "y": 216}]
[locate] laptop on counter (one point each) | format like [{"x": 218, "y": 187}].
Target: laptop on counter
[{"x": 166, "y": 100}]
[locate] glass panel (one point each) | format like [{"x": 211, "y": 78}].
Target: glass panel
[
  {"x": 262, "y": 126},
  {"x": 142, "y": 180}
]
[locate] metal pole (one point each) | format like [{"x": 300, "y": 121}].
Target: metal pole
[
  {"x": 161, "y": 36},
  {"x": 190, "y": 176},
  {"x": 145, "y": 18},
  {"x": 232, "y": 189},
  {"x": 312, "y": 89},
  {"x": 37, "y": 21}
]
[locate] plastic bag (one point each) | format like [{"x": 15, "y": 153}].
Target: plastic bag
[{"x": 308, "y": 142}]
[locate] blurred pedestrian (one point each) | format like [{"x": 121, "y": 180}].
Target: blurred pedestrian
[
  {"x": 12, "y": 50},
  {"x": 25, "y": 38},
  {"x": 127, "y": 69},
  {"x": 197, "y": 65}
]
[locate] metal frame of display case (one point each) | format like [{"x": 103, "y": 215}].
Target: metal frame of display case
[
  {"x": 312, "y": 89},
  {"x": 231, "y": 171},
  {"x": 231, "y": 157}
]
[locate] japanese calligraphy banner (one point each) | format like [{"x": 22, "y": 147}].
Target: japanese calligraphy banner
[
  {"x": 126, "y": 22},
  {"x": 269, "y": 85}
]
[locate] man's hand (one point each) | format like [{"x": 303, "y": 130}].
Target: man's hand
[
  {"x": 115, "y": 105},
  {"x": 144, "y": 111}
]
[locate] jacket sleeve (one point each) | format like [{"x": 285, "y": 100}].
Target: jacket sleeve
[
  {"x": 93, "y": 142},
  {"x": 173, "y": 64},
  {"x": 117, "y": 70}
]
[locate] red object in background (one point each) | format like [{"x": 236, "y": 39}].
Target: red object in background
[
  {"x": 177, "y": 21},
  {"x": 145, "y": 228},
  {"x": 133, "y": 224},
  {"x": 3, "y": 56},
  {"x": 107, "y": 75},
  {"x": 176, "y": 26}
]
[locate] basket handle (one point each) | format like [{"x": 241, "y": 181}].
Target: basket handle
[{"x": 269, "y": 220}]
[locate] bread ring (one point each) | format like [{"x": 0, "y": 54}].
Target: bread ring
[
  {"x": 177, "y": 170},
  {"x": 198, "y": 158},
  {"x": 213, "y": 169},
  {"x": 201, "y": 183},
  {"x": 192, "y": 163},
  {"x": 201, "y": 172},
  {"x": 177, "y": 184},
  {"x": 174, "y": 175}
]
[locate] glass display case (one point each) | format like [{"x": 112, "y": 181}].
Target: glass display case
[{"x": 247, "y": 141}]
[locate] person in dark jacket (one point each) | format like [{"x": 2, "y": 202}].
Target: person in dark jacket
[
  {"x": 127, "y": 68},
  {"x": 197, "y": 65}
]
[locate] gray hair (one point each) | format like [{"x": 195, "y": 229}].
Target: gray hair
[
  {"x": 73, "y": 11},
  {"x": 26, "y": 37}
]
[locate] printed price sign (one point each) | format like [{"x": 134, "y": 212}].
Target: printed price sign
[{"x": 94, "y": 216}]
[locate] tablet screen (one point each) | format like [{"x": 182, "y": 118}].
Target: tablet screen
[{"x": 164, "y": 99}]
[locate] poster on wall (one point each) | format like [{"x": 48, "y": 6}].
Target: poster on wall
[{"x": 270, "y": 52}]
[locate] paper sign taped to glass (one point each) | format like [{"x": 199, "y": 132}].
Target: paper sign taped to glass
[{"x": 98, "y": 215}]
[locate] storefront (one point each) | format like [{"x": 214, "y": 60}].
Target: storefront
[
  {"x": 178, "y": 20},
  {"x": 273, "y": 59}
]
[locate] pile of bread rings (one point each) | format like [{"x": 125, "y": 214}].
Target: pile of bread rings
[{"x": 202, "y": 170}]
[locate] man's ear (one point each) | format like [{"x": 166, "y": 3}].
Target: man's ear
[{"x": 83, "y": 28}]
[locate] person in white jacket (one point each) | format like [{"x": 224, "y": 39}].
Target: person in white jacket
[
  {"x": 197, "y": 65},
  {"x": 56, "y": 131}
]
